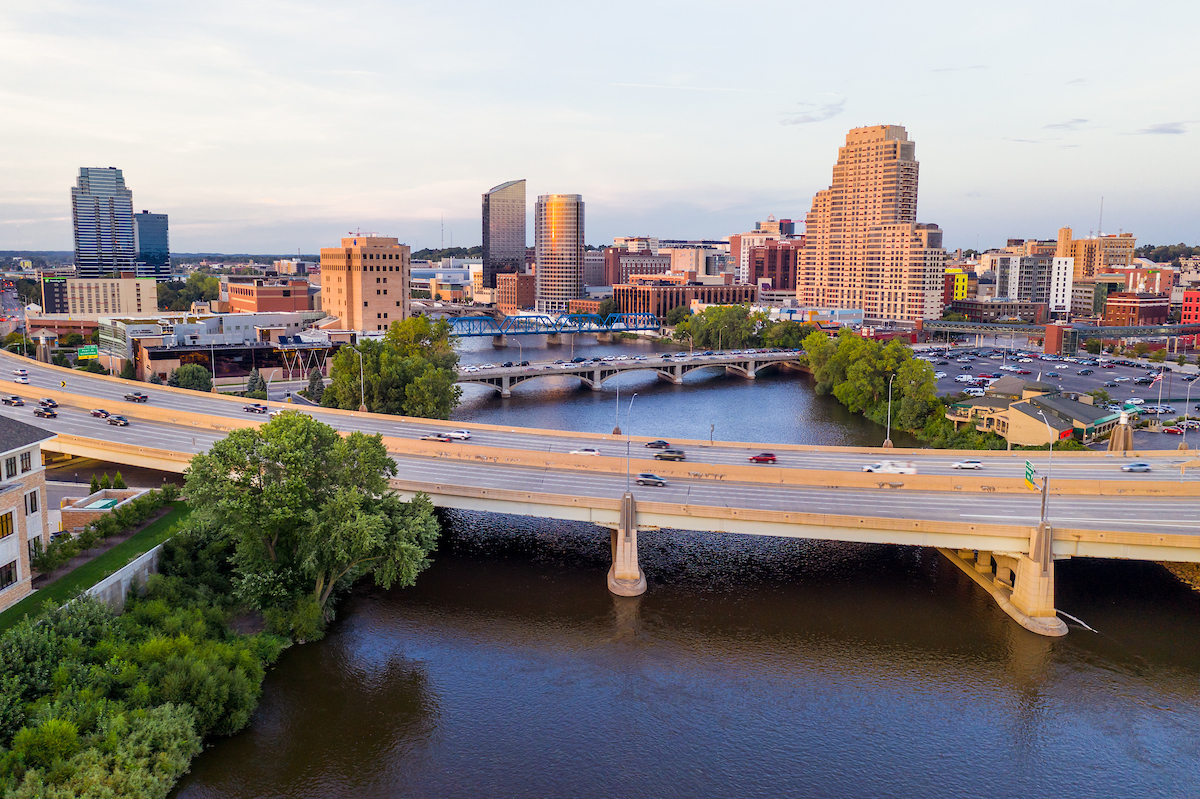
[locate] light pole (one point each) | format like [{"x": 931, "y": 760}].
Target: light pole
[
  {"x": 520, "y": 350},
  {"x": 362, "y": 383},
  {"x": 628, "y": 414},
  {"x": 887, "y": 442},
  {"x": 1049, "y": 464},
  {"x": 1187, "y": 404},
  {"x": 617, "y": 415}
]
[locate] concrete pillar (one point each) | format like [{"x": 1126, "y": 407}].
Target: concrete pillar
[
  {"x": 553, "y": 339},
  {"x": 1033, "y": 593},
  {"x": 499, "y": 341},
  {"x": 605, "y": 337},
  {"x": 983, "y": 562},
  {"x": 505, "y": 387},
  {"x": 626, "y": 577}
]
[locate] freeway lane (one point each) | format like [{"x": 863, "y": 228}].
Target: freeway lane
[
  {"x": 108, "y": 395},
  {"x": 1108, "y": 513}
]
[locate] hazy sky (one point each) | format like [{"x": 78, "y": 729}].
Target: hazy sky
[{"x": 272, "y": 126}]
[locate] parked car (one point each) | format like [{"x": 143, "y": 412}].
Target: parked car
[
  {"x": 650, "y": 479},
  {"x": 891, "y": 467},
  {"x": 45, "y": 413},
  {"x": 1174, "y": 430},
  {"x": 585, "y": 451},
  {"x": 968, "y": 464},
  {"x": 14, "y": 400},
  {"x": 1135, "y": 401},
  {"x": 136, "y": 396},
  {"x": 670, "y": 455},
  {"x": 445, "y": 439},
  {"x": 938, "y": 375},
  {"x": 1053, "y": 374},
  {"x": 254, "y": 407},
  {"x": 659, "y": 444},
  {"x": 1108, "y": 384},
  {"x": 100, "y": 413},
  {"x": 119, "y": 421},
  {"x": 1136, "y": 467},
  {"x": 763, "y": 457}
]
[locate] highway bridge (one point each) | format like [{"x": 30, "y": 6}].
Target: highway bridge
[
  {"x": 985, "y": 522},
  {"x": 593, "y": 373}
]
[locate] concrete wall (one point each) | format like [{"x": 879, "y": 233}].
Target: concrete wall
[{"x": 113, "y": 589}]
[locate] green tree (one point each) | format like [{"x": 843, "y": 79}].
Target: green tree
[
  {"x": 255, "y": 382},
  {"x": 1092, "y": 346},
  {"x": 316, "y": 385},
  {"x": 154, "y": 379},
  {"x": 787, "y": 334},
  {"x": 71, "y": 340},
  {"x": 1159, "y": 356},
  {"x": 1181, "y": 360},
  {"x": 179, "y": 296},
  {"x": 95, "y": 485},
  {"x": 607, "y": 306},
  {"x": 191, "y": 376},
  {"x": 1102, "y": 396},
  {"x": 677, "y": 315},
  {"x": 951, "y": 316},
  {"x": 128, "y": 371},
  {"x": 1140, "y": 349},
  {"x": 119, "y": 481},
  {"x": 106, "y": 481}
]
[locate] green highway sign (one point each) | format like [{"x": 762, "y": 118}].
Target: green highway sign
[
  {"x": 1029, "y": 472},
  {"x": 88, "y": 351}
]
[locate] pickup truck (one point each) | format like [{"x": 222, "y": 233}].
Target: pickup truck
[{"x": 136, "y": 396}]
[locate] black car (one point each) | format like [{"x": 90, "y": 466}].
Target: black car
[
  {"x": 1085, "y": 372},
  {"x": 523, "y": 363},
  {"x": 254, "y": 407},
  {"x": 45, "y": 413},
  {"x": 119, "y": 421},
  {"x": 581, "y": 359},
  {"x": 14, "y": 400},
  {"x": 659, "y": 444},
  {"x": 47, "y": 403},
  {"x": 506, "y": 364}
]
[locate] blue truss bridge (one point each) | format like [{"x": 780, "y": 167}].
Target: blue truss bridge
[{"x": 544, "y": 324}]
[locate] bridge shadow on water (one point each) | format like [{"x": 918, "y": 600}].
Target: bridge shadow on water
[{"x": 751, "y": 667}]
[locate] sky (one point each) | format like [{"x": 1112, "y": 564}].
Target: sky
[{"x": 279, "y": 126}]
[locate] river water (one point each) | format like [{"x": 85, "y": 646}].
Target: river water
[{"x": 752, "y": 667}]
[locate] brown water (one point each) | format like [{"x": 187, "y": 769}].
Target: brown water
[{"x": 753, "y": 667}]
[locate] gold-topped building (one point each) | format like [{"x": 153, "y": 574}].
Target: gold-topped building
[
  {"x": 863, "y": 246},
  {"x": 365, "y": 282}
]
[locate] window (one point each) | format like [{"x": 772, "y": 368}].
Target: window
[
  {"x": 26, "y": 461},
  {"x": 10, "y": 467},
  {"x": 8, "y": 575},
  {"x": 7, "y": 527},
  {"x": 31, "y": 503}
]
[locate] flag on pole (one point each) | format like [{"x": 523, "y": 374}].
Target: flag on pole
[{"x": 1157, "y": 378}]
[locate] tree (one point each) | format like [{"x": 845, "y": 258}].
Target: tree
[
  {"x": 412, "y": 371},
  {"x": 179, "y": 296},
  {"x": 951, "y": 316},
  {"x": 316, "y": 385},
  {"x": 93, "y": 367},
  {"x": 1102, "y": 396},
  {"x": 105, "y": 481},
  {"x": 255, "y": 382},
  {"x": 1092, "y": 346},
  {"x": 308, "y": 510},
  {"x": 154, "y": 379},
  {"x": 1181, "y": 360},
  {"x": 191, "y": 376},
  {"x": 607, "y": 307},
  {"x": 71, "y": 340},
  {"x": 128, "y": 371},
  {"x": 119, "y": 481},
  {"x": 677, "y": 315},
  {"x": 787, "y": 334},
  {"x": 1140, "y": 349},
  {"x": 95, "y": 486},
  {"x": 1159, "y": 356}
]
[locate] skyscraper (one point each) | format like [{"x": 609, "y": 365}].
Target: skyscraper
[
  {"x": 863, "y": 246},
  {"x": 153, "y": 245},
  {"x": 558, "y": 240},
  {"x": 357, "y": 276},
  {"x": 503, "y": 230},
  {"x": 102, "y": 215}
]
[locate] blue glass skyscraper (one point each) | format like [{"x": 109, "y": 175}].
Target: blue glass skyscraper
[{"x": 153, "y": 245}]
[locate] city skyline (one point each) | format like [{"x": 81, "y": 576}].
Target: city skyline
[{"x": 244, "y": 147}]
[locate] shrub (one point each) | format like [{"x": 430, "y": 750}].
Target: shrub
[
  {"x": 105, "y": 482},
  {"x": 119, "y": 481},
  {"x": 95, "y": 484}
]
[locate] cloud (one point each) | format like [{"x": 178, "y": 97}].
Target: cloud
[
  {"x": 960, "y": 69},
  {"x": 1169, "y": 128},
  {"x": 693, "y": 88},
  {"x": 1077, "y": 81},
  {"x": 814, "y": 112},
  {"x": 1070, "y": 124},
  {"x": 1027, "y": 141}
]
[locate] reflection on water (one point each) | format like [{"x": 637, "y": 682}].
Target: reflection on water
[
  {"x": 752, "y": 667},
  {"x": 776, "y": 407}
]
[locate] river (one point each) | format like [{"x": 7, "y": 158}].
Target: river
[{"x": 752, "y": 667}]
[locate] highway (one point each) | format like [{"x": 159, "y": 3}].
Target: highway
[{"x": 108, "y": 395}]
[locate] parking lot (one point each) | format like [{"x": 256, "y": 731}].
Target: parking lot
[{"x": 1065, "y": 376}]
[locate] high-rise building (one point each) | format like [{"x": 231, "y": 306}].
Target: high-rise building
[
  {"x": 775, "y": 262},
  {"x": 102, "y": 215},
  {"x": 503, "y": 231},
  {"x": 863, "y": 246},
  {"x": 1095, "y": 254},
  {"x": 558, "y": 241},
  {"x": 152, "y": 245},
  {"x": 365, "y": 282}
]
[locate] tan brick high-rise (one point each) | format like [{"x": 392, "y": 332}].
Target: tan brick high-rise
[
  {"x": 863, "y": 246},
  {"x": 1095, "y": 255},
  {"x": 365, "y": 282}
]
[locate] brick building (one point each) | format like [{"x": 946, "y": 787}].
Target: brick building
[
  {"x": 1127, "y": 309},
  {"x": 999, "y": 310},
  {"x": 24, "y": 516},
  {"x": 620, "y": 265},
  {"x": 1191, "y": 307},
  {"x": 365, "y": 282},
  {"x": 261, "y": 295},
  {"x": 775, "y": 261},
  {"x": 658, "y": 294},
  {"x": 515, "y": 293}
]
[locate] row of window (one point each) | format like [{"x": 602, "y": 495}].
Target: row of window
[{"x": 10, "y": 465}]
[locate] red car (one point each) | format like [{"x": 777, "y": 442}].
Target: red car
[
  {"x": 100, "y": 414},
  {"x": 763, "y": 457},
  {"x": 1175, "y": 430},
  {"x": 1024, "y": 372}
]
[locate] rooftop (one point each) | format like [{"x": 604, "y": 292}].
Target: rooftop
[{"x": 18, "y": 435}]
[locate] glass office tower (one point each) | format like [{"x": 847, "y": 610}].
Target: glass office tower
[
  {"x": 503, "y": 231},
  {"x": 558, "y": 239},
  {"x": 153, "y": 245},
  {"x": 102, "y": 214}
]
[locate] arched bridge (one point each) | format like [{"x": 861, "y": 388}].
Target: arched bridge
[
  {"x": 594, "y": 373},
  {"x": 544, "y": 324}
]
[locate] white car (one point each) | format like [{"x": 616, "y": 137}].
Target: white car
[
  {"x": 20, "y": 373},
  {"x": 461, "y": 435},
  {"x": 965, "y": 378},
  {"x": 891, "y": 467},
  {"x": 21, "y": 379},
  {"x": 938, "y": 375},
  {"x": 973, "y": 391},
  {"x": 968, "y": 465},
  {"x": 1120, "y": 379},
  {"x": 585, "y": 451},
  {"x": 1135, "y": 401}
]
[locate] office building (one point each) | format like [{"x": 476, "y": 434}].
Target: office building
[
  {"x": 1095, "y": 254},
  {"x": 1190, "y": 315},
  {"x": 863, "y": 245},
  {"x": 24, "y": 513},
  {"x": 1000, "y": 310},
  {"x": 90, "y": 298},
  {"x": 365, "y": 282},
  {"x": 251, "y": 294},
  {"x": 102, "y": 217},
  {"x": 515, "y": 293},
  {"x": 503, "y": 231},
  {"x": 620, "y": 265},
  {"x": 637, "y": 243},
  {"x": 593, "y": 268},
  {"x": 558, "y": 229},
  {"x": 775, "y": 262},
  {"x": 1129, "y": 309},
  {"x": 955, "y": 286},
  {"x": 658, "y": 294},
  {"x": 153, "y": 245}
]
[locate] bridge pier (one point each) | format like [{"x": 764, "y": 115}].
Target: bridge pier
[
  {"x": 604, "y": 337},
  {"x": 1023, "y": 585},
  {"x": 505, "y": 387},
  {"x": 625, "y": 577},
  {"x": 499, "y": 341},
  {"x": 553, "y": 339},
  {"x": 672, "y": 374}
]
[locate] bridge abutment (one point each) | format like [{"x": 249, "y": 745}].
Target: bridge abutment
[
  {"x": 625, "y": 577},
  {"x": 499, "y": 341},
  {"x": 604, "y": 337},
  {"x": 553, "y": 339}
]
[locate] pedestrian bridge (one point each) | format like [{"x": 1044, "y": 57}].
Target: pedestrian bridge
[{"x": 594, "y": 373}]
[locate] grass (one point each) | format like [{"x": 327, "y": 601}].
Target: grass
[{"x": 95, "y": 570}]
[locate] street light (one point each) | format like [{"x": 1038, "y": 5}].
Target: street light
[
  {"x": 1049, "y": 464},
  {"x": 617, "y": 415},
  {"x": 628, "y": 413},
  {"x": 1187, "y": 404},
  {"x": 887, "y": 442},
  {"x": 362, "y": 383}
]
